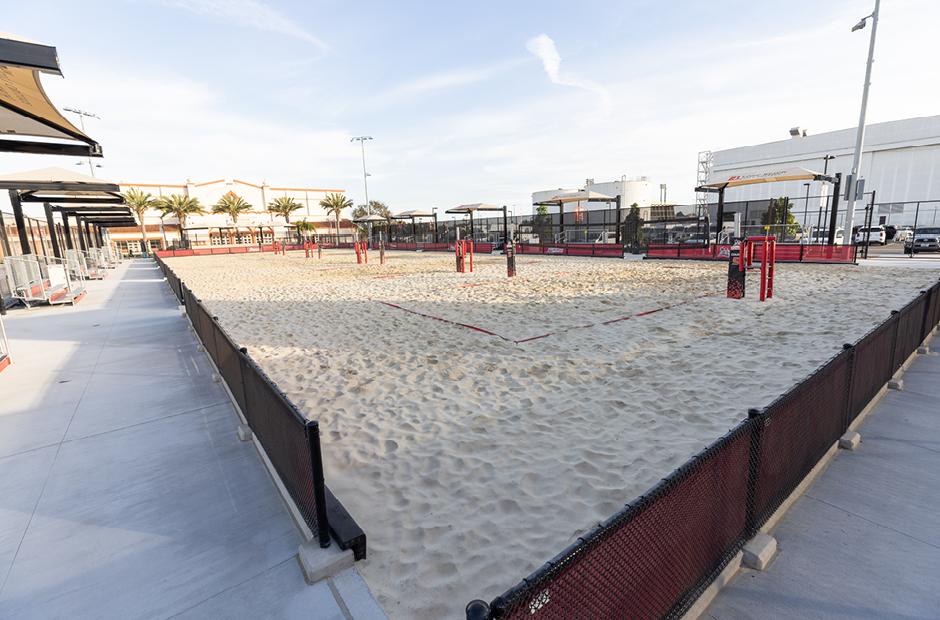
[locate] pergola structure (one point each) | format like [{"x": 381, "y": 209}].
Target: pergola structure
[
  {"x": 370, "y": 219},
  {"x": 774, "y": 175},
  {"x": 560, "y": 200},
  {"x": 92, "y": 202},
  {"x": 29, "y": 122},
  {"x": 472, "y": 208},
  {"x": 413, "y": 215}
]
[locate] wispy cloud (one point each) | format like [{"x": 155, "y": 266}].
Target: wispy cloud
[
  {"x": 449, "y": 79},
  {"x": 250, "y": 13},
  {"x": 543, "y": 47}
]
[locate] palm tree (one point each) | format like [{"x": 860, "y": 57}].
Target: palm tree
[
  {"x": 305, "y": 228},
  {"x": 180, "y": 207},
  {"x": 139, "y": 202},
  {"x": 335, "y": 203},
  {"x": 284, "y": 206},
  {"x": 232, "y": 205}
]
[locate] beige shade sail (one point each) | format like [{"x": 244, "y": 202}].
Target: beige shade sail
[
  {"x": 26, "y": 112},
  {"x": 769, "y": 175},
  {"x": 475, "y": 206},
  {"x": 580, "y": 196},
  {"x": 404, "y": 215}
]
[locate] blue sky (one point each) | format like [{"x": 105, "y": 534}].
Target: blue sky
[{"x": 467, "y": 102}]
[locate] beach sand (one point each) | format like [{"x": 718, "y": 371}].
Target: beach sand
[{"x": 470, "y": 459}]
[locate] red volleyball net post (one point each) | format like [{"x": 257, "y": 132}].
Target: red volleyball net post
[
  {"x": 470, "y": 246},
  {"x": 745, "y": 262},
  {"x": 365, "y": 252},
  {"x": 358, "y": 252}
]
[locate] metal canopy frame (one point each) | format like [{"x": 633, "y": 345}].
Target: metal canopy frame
[
  {"x": 413, "y": 215},
  {"x": 719, "y": 188},
  {"x": 560, "y": 201},
  {"x": 470, "y": 209}
]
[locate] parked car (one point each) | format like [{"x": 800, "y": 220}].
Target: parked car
[
  {"x": 926, "y": 239},
  {"x": 820, "y": 236},
  {"x": 875, "y": 234},
  {"x": 903, "y": 235}
]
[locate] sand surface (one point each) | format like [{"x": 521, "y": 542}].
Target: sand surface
[{"x": 470, "y": 459}]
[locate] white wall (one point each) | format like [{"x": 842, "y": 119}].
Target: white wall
[
  {"x": 900, "y": 161},
  {"x": 638, "y": 189}
]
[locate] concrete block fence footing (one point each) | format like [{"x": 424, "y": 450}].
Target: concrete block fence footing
[
  {"x": 200, "y": 348},
  {"x": 318, "y": 563},
  {"x": 896, "y": 384},
  {"x": 216, "y": 378},
  {"x": 924, "y": 350},
  {"x": 850, "y": 441},
  {"x": 244, "y": 432},
  {"x": 759, "y": 551}
]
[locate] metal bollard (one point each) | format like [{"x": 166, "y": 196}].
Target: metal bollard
[{"x": 510, "y": 261}]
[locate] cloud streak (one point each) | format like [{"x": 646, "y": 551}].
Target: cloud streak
[
  {"x": 250, "y": 13},
  {"x": 543, "y": 47}
]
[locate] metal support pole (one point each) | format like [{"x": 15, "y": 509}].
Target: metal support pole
[
  {"x": 472, "y": 236},
  {"x": 4, "y": 239},
  {"x": 505, "y": 229},
  {"x": 721, "y": 214},
  {"x": 860, "y": 134},
  {"x": 834, "y": 215},
  {"x": 20, "y": 221},
  {"x": 56, "y": 250},
  {"x": 619, "y": 222},
  {"x": 82, "y": 242},
  {"x": 914, "y": 232},
  {"x": 436, "y": 236}
]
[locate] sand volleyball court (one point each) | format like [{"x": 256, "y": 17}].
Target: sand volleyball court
[{"x": 475, "y": 425}]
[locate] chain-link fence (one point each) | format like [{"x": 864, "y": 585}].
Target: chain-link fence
[{"x": 656, "y": 556}]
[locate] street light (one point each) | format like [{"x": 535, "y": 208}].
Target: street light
[
  {"x": 365, "y": 175},
  {"x": 81, "y": 117},
  {"x": 860, "y": 136}
]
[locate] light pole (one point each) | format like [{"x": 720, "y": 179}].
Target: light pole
[
  {"x": 81, "y": 118},
  {"x": 365, "y": 175},
  {"x": 860, "y": 136}
]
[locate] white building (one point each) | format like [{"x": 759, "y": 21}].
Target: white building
[
  {"x": 631, "y": 190},
  {"x": 253, "y": 227},
  {"x": 900, "y": 162}
]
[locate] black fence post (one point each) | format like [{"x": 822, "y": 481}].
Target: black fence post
[
  {"x": 753, "y": 469},
  {"x": 847, "y": 409},
  {"x": 478, "y": 610},
  {"x": 894, "y": 340},
  {"x": 319, "y": 484}
]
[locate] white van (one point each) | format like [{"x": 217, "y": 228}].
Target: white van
[
  {"x": 820, "y": 236},
  {"x": 875, "y": 234}
]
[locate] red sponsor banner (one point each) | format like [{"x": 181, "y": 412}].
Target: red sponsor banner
[{"x": 785, "y": 253}]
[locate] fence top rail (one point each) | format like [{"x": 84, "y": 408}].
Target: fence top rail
[{"x": 600, "y": 532}]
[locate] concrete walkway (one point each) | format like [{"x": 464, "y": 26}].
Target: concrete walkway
[
  {"x": 124, "y": 492},
  {"x": 864, "y": 540}
]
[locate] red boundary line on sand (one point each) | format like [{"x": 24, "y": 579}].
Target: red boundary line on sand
[
  {"x": 530, "y": 339},
  {"x": 443, "y": 320}
]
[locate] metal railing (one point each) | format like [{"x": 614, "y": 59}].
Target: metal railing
[
  {"x": 656, "y": 556},
  {"x": 42, "y": 279}
]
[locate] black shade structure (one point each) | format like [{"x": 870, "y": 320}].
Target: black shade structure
[
  {"x": 470, "y": 209},
  {"x": 29, "y": 122},
  {"x": 413, "y": 215},
  {"x": 771, "y": 175},
  {"x": 560, "y": 200}
]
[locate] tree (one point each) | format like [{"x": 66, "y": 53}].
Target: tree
[
  {"x": 779, "y": 217},
  {"x": 633, "y": 226},
  {"x": 378, "y": 208},
  {"x": 543, "y": 223},
  {"x": 180, "y": 207},
  {"x": 140, "y": 202},
  {"x": 284, "y": 206},
  {"x": 334, "y": 204},
  {"x": 305, "y": 228}
]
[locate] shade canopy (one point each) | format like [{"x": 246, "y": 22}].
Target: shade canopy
[
  {"x": 414, "y": 213},
  {"x": 476, "y": 206},
  {"x": 25, "y": 109},
  {"x": 372, "y": 217},
  {"x": 579, "y": 196},
  {"x": 768, "y": 175},
  {"x": 57, "y": 185}
]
